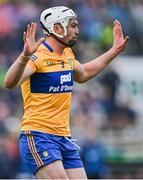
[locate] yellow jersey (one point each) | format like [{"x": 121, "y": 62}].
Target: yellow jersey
[{"x": 47, "y": 93}]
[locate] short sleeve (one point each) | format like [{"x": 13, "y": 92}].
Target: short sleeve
[
  {"x": 34, "y": 62},
  {"x": 74, "y": 63}
]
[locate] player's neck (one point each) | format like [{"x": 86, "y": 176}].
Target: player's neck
[{"x": 57, "y": 46}]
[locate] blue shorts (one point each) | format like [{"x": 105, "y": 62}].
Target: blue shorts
[{"x": 39, "y": 149}]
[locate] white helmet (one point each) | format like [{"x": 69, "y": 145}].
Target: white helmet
[{"x": 59, "y": 14}]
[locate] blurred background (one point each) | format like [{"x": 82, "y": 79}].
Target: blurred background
[{"x": 107, "y": 111}]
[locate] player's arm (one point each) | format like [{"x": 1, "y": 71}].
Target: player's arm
[
  {"x": 84, "y": 72},
  {"x": 17, "y": 73},
  {"x": 20, "y": 69}
]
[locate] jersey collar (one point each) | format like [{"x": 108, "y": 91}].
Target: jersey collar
[{"x": 48, "y": 46}]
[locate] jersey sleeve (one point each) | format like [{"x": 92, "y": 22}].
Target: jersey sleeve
[
  {"x": 35, "y": 62},
  {"x": 74, "y": 63}
]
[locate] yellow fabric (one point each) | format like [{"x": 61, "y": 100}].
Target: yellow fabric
[{"x": 48, "y": 112}]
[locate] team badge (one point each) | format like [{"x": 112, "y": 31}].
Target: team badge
[
  {"x": 45, "y": 153},
  {"x": 70, "y": 62}
]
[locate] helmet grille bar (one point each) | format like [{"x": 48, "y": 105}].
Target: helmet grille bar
[
  {"x": 49, "y": 14},
  {"x": 65, "y": 10}
]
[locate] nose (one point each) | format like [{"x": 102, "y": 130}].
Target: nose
[{"x": 77, "y": 31}]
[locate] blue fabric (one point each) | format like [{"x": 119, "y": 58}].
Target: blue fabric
[
  {"x": 48, "y": 46},
  {"x": 57, "y": 148},
  {"x": 52, "y": 82}
]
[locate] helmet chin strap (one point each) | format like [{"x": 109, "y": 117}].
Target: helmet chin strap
[{"x": 70, "y": 44}]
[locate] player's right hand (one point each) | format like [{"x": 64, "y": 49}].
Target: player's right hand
[{"x": 30, "y": 45}]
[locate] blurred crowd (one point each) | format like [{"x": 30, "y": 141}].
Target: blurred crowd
[{"x": 103, "y": 125}]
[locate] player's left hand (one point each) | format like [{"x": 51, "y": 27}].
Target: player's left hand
[{"x": 120, "y": 41}]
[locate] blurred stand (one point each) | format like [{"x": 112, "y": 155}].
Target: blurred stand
[{"x": 94, "y": 154}]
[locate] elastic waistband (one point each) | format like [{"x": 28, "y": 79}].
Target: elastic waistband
[{"x": 31, "y": 132}]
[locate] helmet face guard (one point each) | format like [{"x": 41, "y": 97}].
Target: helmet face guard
[{"x": 59, "y": 14}]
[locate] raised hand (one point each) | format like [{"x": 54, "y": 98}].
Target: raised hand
[
  {"x": 120, "y": 41},
  {"x": 30, "y": 45}
]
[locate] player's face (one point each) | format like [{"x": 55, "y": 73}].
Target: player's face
[{"x": 72, "y": 32}]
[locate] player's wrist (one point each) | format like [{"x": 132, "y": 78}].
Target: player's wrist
[
  {"x": 114, "y": 51},
  {"x": 23, "y": 58}
]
